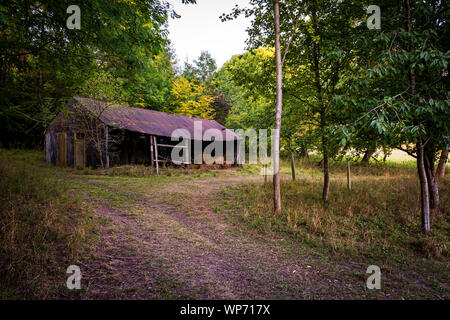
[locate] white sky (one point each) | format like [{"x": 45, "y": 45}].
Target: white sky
[{"x": 200, "y": 28}]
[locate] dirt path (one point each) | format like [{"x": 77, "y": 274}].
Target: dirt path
[{"x": 151, "y": 250}]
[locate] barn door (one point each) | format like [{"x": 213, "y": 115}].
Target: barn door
[
  {"x": 79, "y": 150},
  {"x": 62, "y": 149}
]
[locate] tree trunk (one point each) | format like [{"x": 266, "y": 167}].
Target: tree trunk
[
  {"x": 424, "y": 190},
  {"x": 292, "y": 166},
  {"x": 304, "y": 154},
  {"x": 440, "y": 171},
  {"x": 322, "y": 109},
  {"x": 367, "y": 156},
  {"x": 433, "y": 187},
  {"x": 279, "y": 100},
  {"x": 99, "y": 149},
  {"x": 326, "y": 173}
]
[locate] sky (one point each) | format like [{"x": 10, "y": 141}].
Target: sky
[{"x": 200, "y": 28}]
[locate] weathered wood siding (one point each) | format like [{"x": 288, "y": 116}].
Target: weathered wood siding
[{"x": 51, "y": 148}]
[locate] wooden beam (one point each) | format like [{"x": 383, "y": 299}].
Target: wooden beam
[
  {"x": 186, "y": 153},
  {"x": 152, "y": 159},
  {"x": 156, "y": 155},
  {"x": 171, "y": 146},
  {"x": 106, "y": 147}
]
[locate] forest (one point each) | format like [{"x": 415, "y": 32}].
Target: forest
[{"x": 346, "y": 89}]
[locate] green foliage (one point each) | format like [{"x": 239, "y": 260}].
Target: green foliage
[
  {"x": 43, "y": 63},
  {"x": 202, "y": 69},
  {"x": 191, "y": 98},
  {"x": 382, "y": 96},
  {"x": 244, "y": 82}
]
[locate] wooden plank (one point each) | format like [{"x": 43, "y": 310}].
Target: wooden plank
[
  {"x": 79, "y": 146},
  {"x": 152, "y": 160},
  {"x": 106, "y": 147},
  {"x": 62, "y": 148},
  {"x": 171, "y": 146},
  {"x": 186, "y": 153},
  {"x": 238, "y": 153},
  {"x": 156, "y": 155}
]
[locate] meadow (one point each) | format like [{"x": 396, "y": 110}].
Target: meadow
[{"x": 53, "y": 216}]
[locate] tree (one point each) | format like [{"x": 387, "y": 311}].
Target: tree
[
  {"x": 106, "y": 96},
  {"x": 404, "y": 88},
  {"x": 89, "y": 122},
  {"x": 191, "y": 99},
  {"x": 319, "y": 62},
  {"x": 43, "y": 63},
  {"x": 202, "y": 69},
  {"x": 279, "y": 105}
]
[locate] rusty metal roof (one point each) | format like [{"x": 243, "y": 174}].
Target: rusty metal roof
[{"x": 151, "y": 122}]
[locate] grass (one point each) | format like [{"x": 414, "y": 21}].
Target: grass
[
  {"x": 43, "y": 229},
  {"x": 45, "y": 223},
  {"x": 378, "y": 220},
  {"x": 142, "y": 171}
]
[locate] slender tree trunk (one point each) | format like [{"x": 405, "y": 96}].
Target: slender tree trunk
[
  {"x": 322, "y": 109},
  {"x": 424, "y": 190},
  {"x": 349, "y": 179},
  {"x": 99, "y": 149},
  {"x": 326, "y": 171},
  {"x": 440, "y": 171},
  {"x": 304, "y": 154},
  {"x": 292, "y": 166},
  {"x": 279, "y": 104}
]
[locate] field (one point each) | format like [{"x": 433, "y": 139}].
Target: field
[{"x": 210, "y": 234}]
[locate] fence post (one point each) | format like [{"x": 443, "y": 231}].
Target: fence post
[{"x": 349, "y": 182}]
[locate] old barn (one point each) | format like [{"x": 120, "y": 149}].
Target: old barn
[{"x": 90, "y": 133}]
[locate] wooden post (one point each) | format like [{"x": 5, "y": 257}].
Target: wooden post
[
  {"x": 106, "y": 147},
  {"x": 186, "y": 152},
  {"x": 238, "y": 153},
  {"x": 152, "y": 160},
  {"x": 349, "y": 182},
  {"x": 265, "y": 174},
  {"x": 156, "y": 155},
  {"x": 292, "y": 166}
]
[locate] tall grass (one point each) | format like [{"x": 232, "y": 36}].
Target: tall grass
[
  {"x": 379, "y": 217},
  {"x": 42, "y": 230}
]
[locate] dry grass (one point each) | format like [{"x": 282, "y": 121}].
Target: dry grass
[
  {"x": 42, "y": 229},
  {"x": 379, "y": 217},
  {"x": 43, "y": 226}
]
